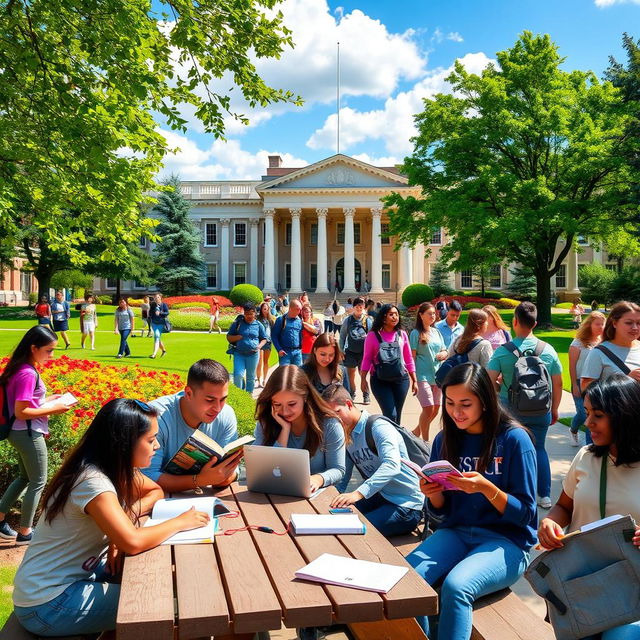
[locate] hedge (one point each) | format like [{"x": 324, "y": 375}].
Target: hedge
[
  {"x": 416, "y": 294},
  {"x": 473, "y": 305},
  {"x": 242, "y": 293}
]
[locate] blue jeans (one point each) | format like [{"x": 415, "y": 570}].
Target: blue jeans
[
  {"x": 581, "y": 415},
  {"x": 388, "y": 518},
  {"x": 471, "y": 562},
  {"x": 86, "y": 606},
  {"x": 390, "y": 395},
  {"x": 123, "y": 349},
  {"x": 294, "y": 356},
  {"x": 244, "y": 370},
  {"x": 539, "y": 425},
  {"x": 158, "y": 330}
]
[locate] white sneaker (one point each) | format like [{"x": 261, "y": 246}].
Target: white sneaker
[
  {"x": 544, "y": 503},
  {"x": 574, "y": 439}
]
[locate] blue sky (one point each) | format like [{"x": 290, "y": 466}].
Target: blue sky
[{"x": 393, "y": 54}]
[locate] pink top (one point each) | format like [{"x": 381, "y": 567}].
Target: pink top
[
  {"x": 370, "y": 355},
  {"x": 497, "y": 338},
  {"x": 21, "y": 388}
]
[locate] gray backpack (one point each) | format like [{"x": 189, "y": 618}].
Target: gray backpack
[{"x": 530, "y": 392}]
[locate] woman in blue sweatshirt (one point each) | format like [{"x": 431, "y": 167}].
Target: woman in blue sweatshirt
[{"x": 489, "y": 523}]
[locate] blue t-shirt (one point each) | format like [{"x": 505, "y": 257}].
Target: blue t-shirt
[
  {"x": 173, "y": 431},
  {"x": 449, "y": 335},
  {"x": 513, "y": 470},
  {"x": 252, "y": 333},
  {"x": 60, "y": 310},
  {"x": 328, "y": 460},
  {"x": 383, "y": 473},
  {"x": 290, "y": 338},
  {"x": 426, "y": 363}
]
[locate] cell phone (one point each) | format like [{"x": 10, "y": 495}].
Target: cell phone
[{"x": 341, "y": 510}]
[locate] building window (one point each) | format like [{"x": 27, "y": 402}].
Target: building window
[
  {"x": 287, "y": 234},
  {"x": 313, "y": 276},
  {"x": 561, "y": 277},
  {"x": 583, "y": 241},
  {"x": 436, "y": 236},
  {"x": 340, "y": 233},
  {"x": 212, "y": 276},
  {"x": 211, "y": 234},
  {"x": 142, "y": 243},
  {"x": 138, "y": 285},
  {"x": 612, "y": 266},
  {"x": 495, "y": 276},
  {"x": 239, "y": 272},
  {"x": 287, "y": 275},
  {"x": 466, "y": 279},
  {"x": 112, "y": 283},
  {"x": 356, "y": 233},
  {"x": 386, "y": 275},
  {"x": 313, "y": 241},
  {"x": 264, "y": 232},
  {"x": 384, "y": 228},
  {"x": 240, "y": 234}
]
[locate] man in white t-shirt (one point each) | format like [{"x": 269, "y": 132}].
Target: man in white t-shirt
[{"x": 202, "y": 405}]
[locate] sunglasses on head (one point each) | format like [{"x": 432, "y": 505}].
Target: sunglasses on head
[{"x": 143, "y": 405}]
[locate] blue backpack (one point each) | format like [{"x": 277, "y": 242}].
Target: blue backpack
[{"x": 453, "y": 361}]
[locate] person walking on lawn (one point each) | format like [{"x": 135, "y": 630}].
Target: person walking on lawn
[{"x": 61, "y": 313}]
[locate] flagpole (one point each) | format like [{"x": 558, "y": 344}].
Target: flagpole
[{"x": 338, "y": 99}]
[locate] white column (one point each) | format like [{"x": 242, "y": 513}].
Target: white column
[
  {"x": 253, "y": 249},
  {"x": 296, "y": 251},
  {"x": 321, "y": 260},
  {"x": 224, "y": 258},
  {"x": 269, "y": 246},
  {"x": 276, "y": 235},
  {"x": 349, "y": 254},
  {"x": 418, "y": 263},
  {"x": 376, "y": 251},
  {"x": 405, "y": 271},
  {"x": 572, "y": 271}
]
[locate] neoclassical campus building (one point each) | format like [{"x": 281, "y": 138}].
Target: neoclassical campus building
[{"x": 313, "y": 227}]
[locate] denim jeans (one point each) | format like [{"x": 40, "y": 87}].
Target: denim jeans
[
  {"x": 388, "y": 518},
  {"x": 86, "y": 606},
  {"x": 244, "y": 370},
  {"x": 581, "y": 415},
  {"x": 328, "y": 326},
  {"x": 539, "y": 425},
  {"x": 123, "y": 349},
  {"x": 291, "y": 357},
  {"x": 32, "y": 474},
  {"x": 390, "y": 395},
  {"x": 470, "y": 562}
]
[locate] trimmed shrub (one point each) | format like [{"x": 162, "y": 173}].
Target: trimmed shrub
[
  {"x": 416, "y": 294},
  {"x": 104, "y": 300},
  {"x": 507, "y": 303},
  {"x": 191, "y": 305},
  {"x": 242, "y": 293},
  {"x": 473, "y": 305}
]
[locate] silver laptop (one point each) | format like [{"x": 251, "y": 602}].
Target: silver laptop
[{"x": 278, "y": 470}]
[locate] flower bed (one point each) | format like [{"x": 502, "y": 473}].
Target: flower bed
[
  {"x": 194, "y": 319},
  {"x": 502, "y": 303},
  {"x": 94, "y": 385},
  {"x": 172, "y": 301}
]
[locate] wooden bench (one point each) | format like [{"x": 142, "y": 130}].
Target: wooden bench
[{"x": 13, "y": 630}]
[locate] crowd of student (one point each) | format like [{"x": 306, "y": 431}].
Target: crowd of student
[{"x": 67, "y": 580}]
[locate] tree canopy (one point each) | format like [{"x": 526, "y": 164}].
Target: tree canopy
[{"x": 517, "y": 162}]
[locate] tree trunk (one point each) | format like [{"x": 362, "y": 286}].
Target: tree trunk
[
  {"x": 482, "y": 284},
  {"x": 543, "y": 289},
  {"x": 116, "y": 295}
]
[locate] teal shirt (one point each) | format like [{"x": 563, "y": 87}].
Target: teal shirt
[
  {"x": 426, "y": 363},
  {"x": 503, "y": 361}
]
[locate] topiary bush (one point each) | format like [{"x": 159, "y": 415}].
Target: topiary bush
[
  {"x": 416, "y": 294},
  {"x": 242, "y": 293}
]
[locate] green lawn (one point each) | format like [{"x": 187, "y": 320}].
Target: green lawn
[{"x": 6, "y": 588}]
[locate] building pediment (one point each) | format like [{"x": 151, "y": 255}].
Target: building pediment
[{"x": 336, "y": 172}]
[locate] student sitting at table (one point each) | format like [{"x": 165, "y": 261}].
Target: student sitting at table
[
  {"x": 67, "y": 583},
  {"x": 324, "y": 365},
  {"x": 290, "y": 413},
  {"x": 390, "y": 495},
  {"x": 489, "y": 523},
  {"x": 202, "y": 405}
]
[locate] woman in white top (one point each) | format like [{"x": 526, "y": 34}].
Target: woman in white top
[
  {"x": 89, "y": 317},
  {"x": 612, "y": 407},
  {"x": 339, "y": 313},
  {"x": 621, "y": 333},
  {"x": 474, "y": 330},
  {"x": 587, "y": 337},
  {"x": 67, "y": 582}
]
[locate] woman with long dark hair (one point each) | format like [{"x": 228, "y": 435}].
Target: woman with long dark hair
[
  {"x": 324, "y": 366},
  {"x": 25, "y": 393},
  {"x": 66, "y": 583},
  {"x": 489, "y": 522},
  {"x": 387, "y": 356},
  {"x": 290, "y": 413}
]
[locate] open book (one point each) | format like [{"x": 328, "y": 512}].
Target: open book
[
  {"x": 437, "y": 471},
  {"x": 349, "y": 572},
  {"x": 67, "y": 399},
  {"x": 168, "y": 508},
  {"x": 198, "y": 449}
]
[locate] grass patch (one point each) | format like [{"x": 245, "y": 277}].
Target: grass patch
[{"x": 6, "y": 589}]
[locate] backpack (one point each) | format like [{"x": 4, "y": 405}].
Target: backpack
[
  {"x": 7, "y": 417},
  {"x": 356, "y": 334},
  {"x": 390, "y": 366},
  {"x": 530, "y": 391},
  {"x": 453, "y": 361}
]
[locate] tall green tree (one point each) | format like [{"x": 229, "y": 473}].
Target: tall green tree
[
  {"x": 80, "y": 83},
  {"x": 178, "y": 252},
  {"x": 439, "y": 280},
  {"x": 518, "y": 160}
]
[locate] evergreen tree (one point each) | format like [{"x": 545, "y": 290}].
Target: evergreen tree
[
  {"x": 523, "y": 284},
  {"x": 178, "y": 252},
  {"x": 439, "y": 280}
]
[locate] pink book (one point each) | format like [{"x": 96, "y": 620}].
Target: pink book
[{"x": 437, "y": 471}]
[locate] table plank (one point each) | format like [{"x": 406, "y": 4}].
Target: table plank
[
  {"x": 349, "y": 605},
  {"x": 252, "y": 602},
  {"x": 405, "y": 629},
  {"x": 145, "y": 609},
  {"x": 202, "y": 603},
  {"x": 411, "y": 596},
  {"x": 303, "y": 603}
]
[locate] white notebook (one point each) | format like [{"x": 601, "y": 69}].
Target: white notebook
[
  {"x": 319, "y": 523},
  {"x": 349, "y": 572}
]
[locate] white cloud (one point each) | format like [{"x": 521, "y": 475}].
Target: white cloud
[
  {"x": 221, "y": 161},
  {"x": 439, "y": 36},
  {"x": 383, "y": 161},
  {"x": 455, "y": 37},
  {"x": 394, "y": 123},
  {"x": 609, "y": 3}
]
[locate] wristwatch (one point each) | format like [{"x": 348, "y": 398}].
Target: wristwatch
[{"x": 196, "y": 489}]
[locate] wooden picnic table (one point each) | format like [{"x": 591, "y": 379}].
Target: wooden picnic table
[{"x": 244, "y": 583}]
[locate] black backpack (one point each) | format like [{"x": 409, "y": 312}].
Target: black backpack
[
  {"x": 453, "y": 361},
  {"x": 356, "y": 334},
  {"x": 7, "y": 417},
  {"x": 531, "y": 389},
  {"x": 390, "y": 366}
]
